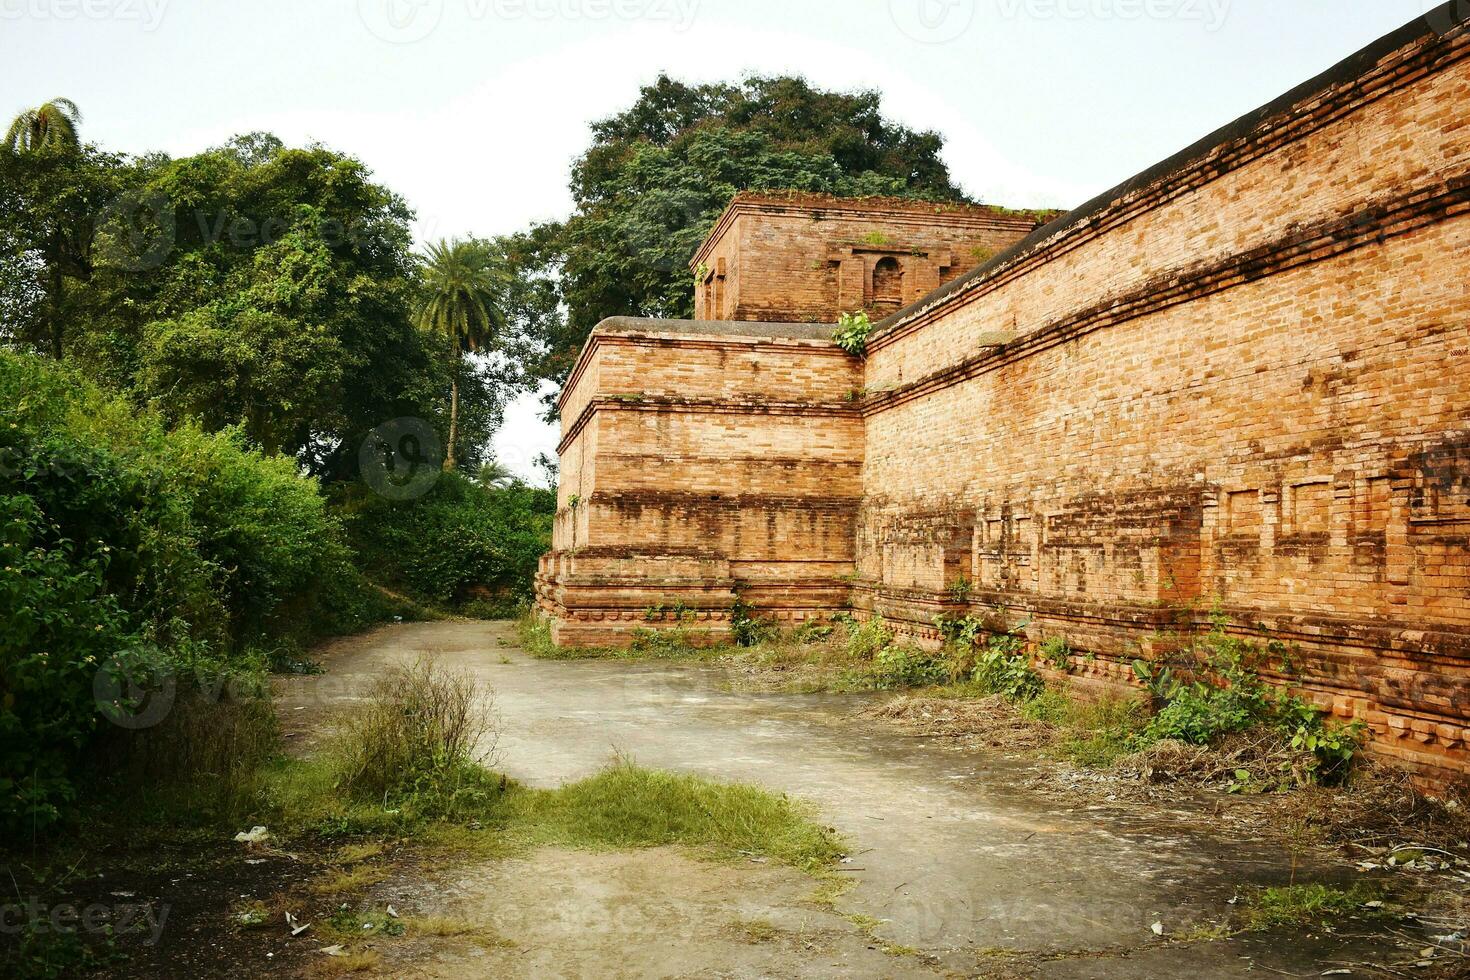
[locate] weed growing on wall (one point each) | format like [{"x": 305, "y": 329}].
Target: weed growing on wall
[
  {"x": 852, "y": 333},
  {"x": 1221, "y": 693}
]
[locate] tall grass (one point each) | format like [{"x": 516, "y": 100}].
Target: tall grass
[{"x": 424, "y": 729}]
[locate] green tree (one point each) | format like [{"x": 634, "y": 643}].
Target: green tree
[
  {"x": 51, "y": 127},
  {"x": 656, "y": 177},
  {"x": 463, "y": 285},
  {"x": 52, "y": 191},
  {"x": 252, "y": 284}
]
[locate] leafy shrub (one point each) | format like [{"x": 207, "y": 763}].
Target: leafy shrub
[
  {"x": 746, "y": 629},
  {"x": 124, "y": 539},
  {"x": 1056, "y": 651},
  {"x": 1229, "y": 696},
  {"x": 459, "y": 537},
  {"x": 852, "y": 333},
  {"x": 57, "y": 622},
  {"x": 867, "y": 639},
  {"x": 1004, "y": 668},
  {"x": 962, "y": 631},
  {"x": 908, "y": 666},
  {"x": 418, "y": 734}
]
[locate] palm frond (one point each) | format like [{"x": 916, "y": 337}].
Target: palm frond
[
  {"x": 464, "y": 285},
  {"x": 53, "y": 126}
]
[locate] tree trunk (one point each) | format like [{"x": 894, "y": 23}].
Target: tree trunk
[{"x": 449, "y": 460}]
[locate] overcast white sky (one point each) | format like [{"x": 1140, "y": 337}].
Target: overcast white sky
[{"x": 474, "y": 109}]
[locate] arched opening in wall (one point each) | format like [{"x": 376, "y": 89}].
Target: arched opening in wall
[{"x": 887, "y": 285}]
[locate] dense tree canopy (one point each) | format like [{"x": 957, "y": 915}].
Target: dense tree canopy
[
  {"x": 657, "y": 176},
  {"x": 251, "y": 284}
]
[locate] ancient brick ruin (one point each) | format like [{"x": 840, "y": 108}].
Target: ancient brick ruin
[{"x": 1236, "y": 383}]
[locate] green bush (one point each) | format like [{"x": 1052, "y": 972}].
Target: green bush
[
  {"x": 1004, "y": 668},
  {"x": 126, "y": 544},
  {"x": 1228, "y": 696},
  {"x": 423, "y": 734},
  {"x": 459, "y": 538},
  {"x": 867, "y": 639},
  {"x": 907, "y": 666}
]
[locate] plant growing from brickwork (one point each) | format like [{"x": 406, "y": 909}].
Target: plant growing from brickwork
[
  {"x": 1056, "y": 651},
  {"x": 960, "y": 589},
  {"x": 852, "y": 333},
  {"x": 746, "y": 628},
  {"x": 1216, "y": 690}
]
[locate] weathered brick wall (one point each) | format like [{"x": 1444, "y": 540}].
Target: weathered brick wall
[
  {"x": 1239, "y": 383},
  {"x": 727, "y": 458},
  {"x": 810, "y": 257}
]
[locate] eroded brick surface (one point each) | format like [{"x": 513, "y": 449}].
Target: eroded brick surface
[{"x": 1239, "y": 385}]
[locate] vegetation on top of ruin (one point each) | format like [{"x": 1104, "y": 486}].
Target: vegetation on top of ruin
[
  {"x": 852, "y": 333},
  {"x": 658, "y": 175}
]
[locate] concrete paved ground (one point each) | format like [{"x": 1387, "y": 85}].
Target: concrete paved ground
[{"x": 952, "y": 851}]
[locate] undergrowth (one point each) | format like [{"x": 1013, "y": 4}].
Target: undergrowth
[{"x": 1309, "y": 905}]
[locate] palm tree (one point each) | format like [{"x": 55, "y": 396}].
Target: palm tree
[
  {"x": 52, "y": 126},
  {"x": 494, "y": 473},
  {"x": 463, "y": 285}
]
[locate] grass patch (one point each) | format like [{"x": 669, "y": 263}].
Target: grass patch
[
  {"x": 1308, "y": 905},
  {"x": 346, "y": 964},
  {"x": 628, "y": 806},
  {"x": 445, "y": 927},
  {"x": 758, "y": 930},
  {"x": 358, "y": 853},
  {"x": 1094, "y": 734},
  {"x": 348, "y": 882},
  {"x": 624, "y": 806}
]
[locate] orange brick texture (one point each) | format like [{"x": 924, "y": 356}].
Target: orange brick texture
[
  {"x": 1237, "y": 382},
  {"x": 808, "y": 257}
]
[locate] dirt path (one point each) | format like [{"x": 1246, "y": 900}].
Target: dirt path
[{"x": 954, "y": 856}]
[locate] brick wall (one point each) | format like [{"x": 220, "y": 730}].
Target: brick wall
[
  {"x": 1239, "y": 384},
  {"x": 1236, "y": 383},
  {"x": 810, "y": 257},
  {"x": 727, "y": 459}
]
